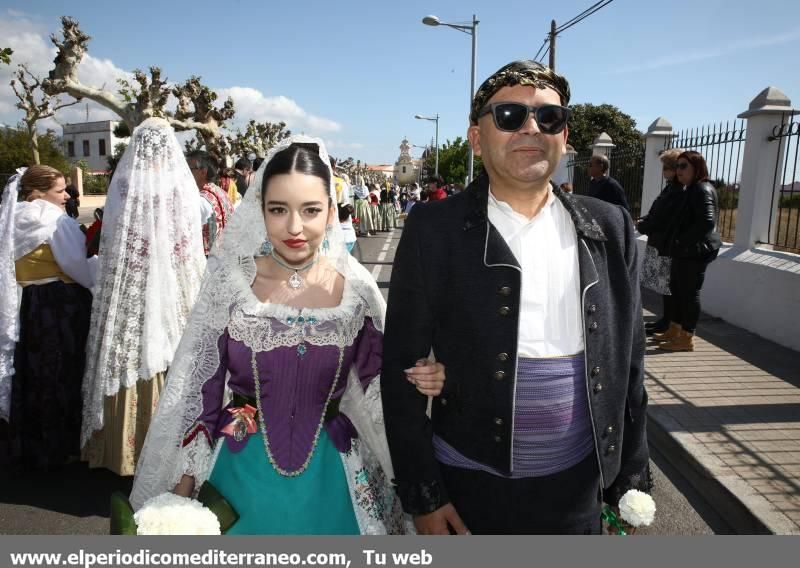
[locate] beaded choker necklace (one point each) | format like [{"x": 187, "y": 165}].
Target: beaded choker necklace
[{"x": 295, "y": 281}]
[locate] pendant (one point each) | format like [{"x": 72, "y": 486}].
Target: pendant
[
  {"x": 295, "y": 281},
  {"x": 239, "y": 429}
]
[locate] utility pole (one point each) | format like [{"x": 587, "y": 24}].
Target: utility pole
[{"x": 553, "y": 45}]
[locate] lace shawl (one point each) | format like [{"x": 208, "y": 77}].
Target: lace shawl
[{"x": 151, "y": 264}]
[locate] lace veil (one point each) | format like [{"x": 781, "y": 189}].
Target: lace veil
[
  {"x": 151, "y": 264},
  {"x": 9, "y": 296},
  {"x": 233, "y": 258}
]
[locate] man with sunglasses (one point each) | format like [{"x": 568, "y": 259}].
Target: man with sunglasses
[
  {"x": 530, "y": 297},
  {"x": 603, "y": 186}
]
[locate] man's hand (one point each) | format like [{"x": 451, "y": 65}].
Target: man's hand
[
  {"x": 427, "y": 376},
  {"x": 439, "y": 522},
  {"x": 185, "y": 486}
]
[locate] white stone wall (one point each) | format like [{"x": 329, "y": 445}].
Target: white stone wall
[{"x": 754, "y": 289}]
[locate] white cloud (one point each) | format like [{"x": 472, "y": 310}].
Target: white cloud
[
  {"x": 29, "y": 38},
  {"x": 740, "y": 45},
  {"x": 253, "y": 104}
]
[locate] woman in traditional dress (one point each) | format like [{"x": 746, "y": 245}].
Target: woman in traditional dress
[
  {"x": 151, "y": 265},
  {"x": 294, "y": 336},
  {"x": 45, "y": 301},
  {"x": 362, "y": 210},
  {"x": 374, "y": 207},
  {"x": 388, "y": 210}
]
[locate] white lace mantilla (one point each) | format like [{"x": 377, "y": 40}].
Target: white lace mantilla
[{"x": 151, "y": 264}]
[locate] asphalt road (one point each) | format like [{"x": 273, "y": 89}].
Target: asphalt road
[{"x": 75, "y": 499}]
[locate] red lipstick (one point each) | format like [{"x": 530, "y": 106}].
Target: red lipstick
[{"x": 294, "y": 243}]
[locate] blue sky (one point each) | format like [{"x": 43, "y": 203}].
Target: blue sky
[{"x": 356, "y": 73}]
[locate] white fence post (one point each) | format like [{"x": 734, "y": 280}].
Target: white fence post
[
  {"x": 654, "y": 141},
  {"x": 603, "y": 144},
  {"x": 756, "y": 200}
]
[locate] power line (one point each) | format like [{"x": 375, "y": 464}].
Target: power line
[
  {"x": 581, "y": 14},
  {"x": 544, "y": 43},
  {"x": 597, "y": 7},
  {"x": 546, "y": 51}
]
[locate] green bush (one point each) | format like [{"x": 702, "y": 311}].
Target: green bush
[
  {"x": 95, "y": 184},
  {"x": 789, "y": 201},
  {"x": 728, "y": 198}
]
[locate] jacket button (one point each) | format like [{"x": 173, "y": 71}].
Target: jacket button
[
  {"x": 504, "y": 311},
  {"x": 610, "y": 428},
  {"x": 443, "y": 401},
  {"x": 498, "y": 421},
  {"x": 593, "y": 327},
  {"x": 598, "y": 387},
  {"x": 595, "y": 371},
  {"x": 497, "y": 439},
  {"x": 502, "y": 356},
  {"x": 592, "y": 309},
  {"x": 611, "y": 449},
  {"x": 504, "y": 291},
  {"x": 499, "y": 375}
]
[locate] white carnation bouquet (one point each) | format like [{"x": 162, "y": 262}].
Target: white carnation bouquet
[
  {"x": 170, "y": 514},
  {"x": 636, "y": 509}
]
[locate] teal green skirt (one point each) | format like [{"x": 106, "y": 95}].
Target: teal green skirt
[{"x": 315, "y": 502}]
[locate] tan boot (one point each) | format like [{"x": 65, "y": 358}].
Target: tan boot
[
  {"x": 684, "y": 342},
  {"x": 672, "y": 332}
]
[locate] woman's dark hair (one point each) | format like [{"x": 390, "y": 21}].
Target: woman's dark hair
[
  {"x": 257, "y": 163},
  {"x": 300, "y": 158},
  {"x": 698, "y": 163},
  {"x": 345, "y": 210}
]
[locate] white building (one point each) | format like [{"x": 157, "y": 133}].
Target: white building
[
  {"x": 91, "y": 141},
  {"x": 405, "y": 170}
]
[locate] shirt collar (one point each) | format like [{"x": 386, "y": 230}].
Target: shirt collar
[{"x": 508, "y": 211}]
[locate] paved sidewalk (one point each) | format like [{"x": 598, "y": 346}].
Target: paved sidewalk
[{"x": 728, "y": 416}]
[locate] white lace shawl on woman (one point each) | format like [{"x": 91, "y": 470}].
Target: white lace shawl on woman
[
  {"x": 162, "y": 464},
  {"x": 151, "y": 265}
]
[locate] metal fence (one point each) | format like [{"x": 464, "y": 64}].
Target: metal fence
[
  {"x": 722, "y": 146},
  {"x": 578, "y": 167},
  {"x": 785, "y": 220},
  {"x": 627, "y": 167}
]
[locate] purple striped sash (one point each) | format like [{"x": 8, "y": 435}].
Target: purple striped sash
[{"x": 552, "y": 429}]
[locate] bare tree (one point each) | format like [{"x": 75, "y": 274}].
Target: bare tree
[
  {"x": 258, "y": 138},
  {"x": 143, "y": 97},
  {"x": 34, "y": 103}
]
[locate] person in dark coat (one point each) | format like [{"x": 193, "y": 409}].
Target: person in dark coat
[
  {"x": 603, "y": 186},
  {"x": 657, "y": 225},
  {"x": 530, "y": 297},
  {"x": 694, "y": 245}
]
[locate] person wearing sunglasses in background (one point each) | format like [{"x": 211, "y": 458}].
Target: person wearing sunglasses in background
[
  {"x": 530, "y": 297},
  {"x": 695, "y": 244},
  {"x": 603, "y": 186}
]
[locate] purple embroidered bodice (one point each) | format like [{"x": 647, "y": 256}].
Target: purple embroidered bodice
[{"x": 294, "y": 388}]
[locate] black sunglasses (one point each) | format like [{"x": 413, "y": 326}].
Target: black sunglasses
[{"x": 510, "y": 117}]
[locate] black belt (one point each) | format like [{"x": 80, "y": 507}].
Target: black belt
[{"x": 331, "y": 412}]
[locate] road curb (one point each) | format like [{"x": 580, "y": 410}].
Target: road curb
[{"x": 745, "y": 511}]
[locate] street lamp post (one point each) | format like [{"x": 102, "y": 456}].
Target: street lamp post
[
  {"x": 472, "y": 30},
  {"x": 436, "y": 120}
]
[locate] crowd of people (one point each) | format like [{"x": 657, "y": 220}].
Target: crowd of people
[{"x": 213, "y": 328}]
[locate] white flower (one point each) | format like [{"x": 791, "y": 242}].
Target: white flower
[
  {"x": 637, "y": 508},
  {"x": 172, "y": 514}
]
